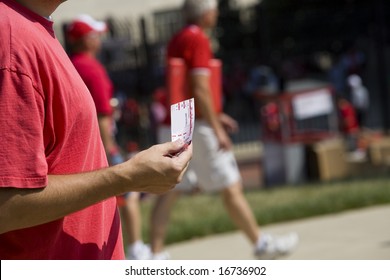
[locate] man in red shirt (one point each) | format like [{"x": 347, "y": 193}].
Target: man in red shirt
[
  {"x": 349, "y": 124},
  {"x": 57, "y": 195},
  {"x": 213, "y": 168}
]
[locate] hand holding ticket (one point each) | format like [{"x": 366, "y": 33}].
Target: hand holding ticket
[{"x": 182, "y": 121}]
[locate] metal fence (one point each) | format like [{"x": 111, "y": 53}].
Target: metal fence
[{"x": 134, "y": 55}]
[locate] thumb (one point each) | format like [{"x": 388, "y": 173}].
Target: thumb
[{"x": 172, "y": 148}]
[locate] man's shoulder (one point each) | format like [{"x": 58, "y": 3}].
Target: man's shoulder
[
  {"x": 188, "y": 36},
  {"x": 17, "y": 31},
  {"x": 193, "y": 31}
]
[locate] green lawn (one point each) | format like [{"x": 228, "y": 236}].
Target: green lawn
[{"x": 200, "y": 215}]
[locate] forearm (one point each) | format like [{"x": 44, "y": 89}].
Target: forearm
[
  {"x": 204, "y": 103},
  {"x": 64, "y": 194},
  {"x": 105, "y": 126},
  {"x": 149, "y": 171}
]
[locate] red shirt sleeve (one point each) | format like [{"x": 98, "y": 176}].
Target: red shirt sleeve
[
  {"x": 201, "y": 53},
  {"x": 22, "y": 153}
]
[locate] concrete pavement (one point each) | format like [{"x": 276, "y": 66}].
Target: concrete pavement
[{"x": 362, "y": 234}]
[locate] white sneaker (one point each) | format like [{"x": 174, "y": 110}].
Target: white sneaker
[
  {"x": 272, "y": 247},
  {"x": 161, "y": 256},
  {"x": 138, "y": 251}
]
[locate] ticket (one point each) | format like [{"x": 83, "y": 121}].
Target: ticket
[{"x": 183, "y": 120}]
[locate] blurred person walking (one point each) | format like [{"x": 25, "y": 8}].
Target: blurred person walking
[
  {"x": 359, "y": 98},
  {"x": 84, "y": 36},
  {"x": 57, "y": 193},
  {"x": 213, "y": 168},
  {"x": 349, "y": 124}
]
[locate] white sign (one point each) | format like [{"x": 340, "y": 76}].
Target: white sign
[{"x": 312, "y": 104}]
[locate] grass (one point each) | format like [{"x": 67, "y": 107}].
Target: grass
[{"x": 201, "y": 215}]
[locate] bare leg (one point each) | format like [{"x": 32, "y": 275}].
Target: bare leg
[
  {"x": 131, "y": 218},
  {"x": 159, "y": 220},
  {"x": 240, "y": 211}
]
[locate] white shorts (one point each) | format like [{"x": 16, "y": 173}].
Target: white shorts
[{"x": 210, "y": 169}]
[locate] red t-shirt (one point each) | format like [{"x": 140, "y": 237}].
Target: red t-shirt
[
  {"x": 349, "y": 123},
  {"x": 96, "y": 78},
  {"x": 49, "y": 126},
  {"x": 193, "y": 46}
]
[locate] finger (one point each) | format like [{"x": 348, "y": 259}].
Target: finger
[
  {"x": 171, "y": 148},
  {"x": 185, "y": 156}
]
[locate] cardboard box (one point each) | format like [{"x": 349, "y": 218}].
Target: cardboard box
[
  {"x": 379, "y": 151},
  {"x": 327, "y": 160}
]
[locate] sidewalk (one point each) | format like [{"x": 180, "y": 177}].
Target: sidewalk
[{"x": 362, "y": 234}]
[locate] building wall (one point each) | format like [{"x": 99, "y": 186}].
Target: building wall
[
  {"x": 129, "y": 9},
  {"x": 119, "y": 8}
]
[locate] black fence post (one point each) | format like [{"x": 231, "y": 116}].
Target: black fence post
[{"x": 381, "y": 62}]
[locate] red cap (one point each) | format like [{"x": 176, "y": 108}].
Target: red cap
[{"x": 83, "y": 25}]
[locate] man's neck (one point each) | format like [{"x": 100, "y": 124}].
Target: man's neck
[{"x": 41, "y": 7}]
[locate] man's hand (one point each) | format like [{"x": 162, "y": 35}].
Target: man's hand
[
  {"x": 230, "y": 124},
  {"x": 153, "y": 171},
  {"x": 224, "y": 141}
]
